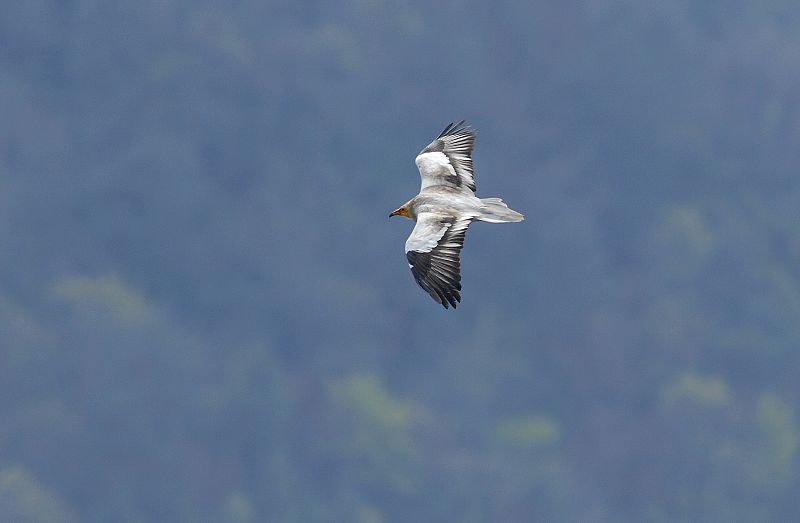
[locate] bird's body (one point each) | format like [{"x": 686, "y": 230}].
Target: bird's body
[
  {"x": 443, "y": 209},
  {"x": 442, "y": 199}
]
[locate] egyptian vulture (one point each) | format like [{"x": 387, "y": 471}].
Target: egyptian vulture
[{"x": 443, "y": 209}]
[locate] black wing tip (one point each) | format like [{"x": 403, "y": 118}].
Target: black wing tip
[
  {"x": 445, "y": 292},
  {"x": 448, "y": 296},
  {"x": 457, "y": 128},
  {"x": 453, "y": 300}
]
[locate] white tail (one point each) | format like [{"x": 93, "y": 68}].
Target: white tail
[{"x": 495, "y": 211}]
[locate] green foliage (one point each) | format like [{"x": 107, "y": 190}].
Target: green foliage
[
  {"x": 528, "y": 432},
  {"x": 104, "y": 298},
  {"x": 778, "y": 438},
  {"x": 24, "y": 500},
  {"x": 379, "y": 419},
  {"x": 377, "y": 440},
  {"x": 700, "y": 391}
]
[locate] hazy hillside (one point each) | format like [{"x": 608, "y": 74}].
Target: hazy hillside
[{"x": 205, "y": 314}]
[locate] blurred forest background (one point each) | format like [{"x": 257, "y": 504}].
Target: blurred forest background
[{"x": 205, "y": 314}]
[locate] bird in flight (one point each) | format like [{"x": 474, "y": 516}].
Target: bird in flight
[{"x": 443, "y": 209}]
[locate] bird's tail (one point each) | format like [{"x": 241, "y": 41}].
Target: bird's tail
[{"x": 494, "y": 210}]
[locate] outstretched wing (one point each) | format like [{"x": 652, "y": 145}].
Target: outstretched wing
[
  {"x": 433, "y": 251},
  {"x": 447, "y": 161}
]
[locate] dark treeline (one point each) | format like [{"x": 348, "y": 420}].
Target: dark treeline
[{"x": 206, "y": 316}]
